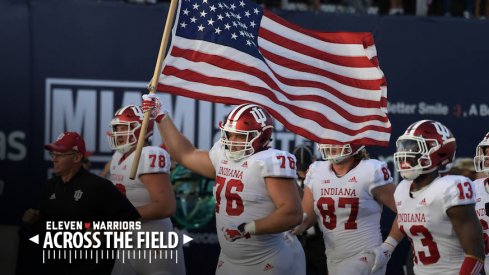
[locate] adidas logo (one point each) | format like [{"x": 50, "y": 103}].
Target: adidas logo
[
  {"x": 124, "y": 167},
  {"x": 268, "y": 266},
  {"x": 399, "y": 203},
  {"x": 326, "y": 181},
  {"x": 364, "y": 259},
  {"x": 353, "y": 179},
  {"x": 245, "y": 164},
  {"x": 224, "y": 161},
  {"x": 423, "y": 202},
  {"x": 478, "y": 199},
  {"x": 53, "y": 197}
]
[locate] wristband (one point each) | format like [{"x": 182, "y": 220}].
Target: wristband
[
  {"x": 471, "y": 265},
  {"x": 391, "y": 242},
  {"x": 250, "y": 228},
  {"x": 161, "y": 116}
]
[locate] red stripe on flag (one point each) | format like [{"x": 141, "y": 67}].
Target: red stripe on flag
[
  {"x": 301, "y": 67},
  {"x": 228, "y": 64},
  {"x": 235, "y": 101},
  {"x": 362, "y": 38},
  {"x": 319, "y": 118},
  {"x": 347, "y": 61}
]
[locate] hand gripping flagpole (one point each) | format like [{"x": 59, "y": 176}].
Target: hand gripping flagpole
[{"x": 153, "y": 84}]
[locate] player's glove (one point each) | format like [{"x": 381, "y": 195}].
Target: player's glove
[
  {"x": 233, "y": 233},
  {"x": 152, "y": 103},
  {"x": 382, "y": 253}
]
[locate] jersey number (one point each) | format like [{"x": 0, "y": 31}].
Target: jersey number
[
  {"x": 427, "y": 241},
  {"x": 326, "y": 206},
  {"x": 465, "y": 191},
  {"x": 161, "y": 161},
  {"x": 234, "y": 203},
  {"x": 283, "y": 160}
]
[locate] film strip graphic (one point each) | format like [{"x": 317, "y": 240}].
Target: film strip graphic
[{"x": 123, "y": 254}]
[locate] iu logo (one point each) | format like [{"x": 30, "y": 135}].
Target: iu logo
[
  {"x": 259, "y": 115},
  {"x": 442, "y": 130},
  {"x": 78, "y": 195}
]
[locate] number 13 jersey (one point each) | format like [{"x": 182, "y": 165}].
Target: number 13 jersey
[
  {"x": 242, "y": 196},
  {"x": 423, "y": 219}
]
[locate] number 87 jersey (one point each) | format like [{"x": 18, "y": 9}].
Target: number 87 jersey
[
  {"x": 242, "y": 196},
  {"x": 422, "y": 217}
]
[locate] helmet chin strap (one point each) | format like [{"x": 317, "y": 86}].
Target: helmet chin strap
[{"x": 415, "y": 173}]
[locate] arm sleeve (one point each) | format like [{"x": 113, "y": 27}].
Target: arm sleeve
[
  {"x": 279, "y": 164},
  {"x": 458, "y": 191},
  {"x": 310, "y": 174},
  {"x": 381, "y": 176},
  {"x": 154, "y": 160}
]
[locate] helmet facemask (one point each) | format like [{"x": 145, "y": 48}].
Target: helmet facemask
[
  {"x": 337, "y": 153},
  {"x": 412, "y": 158},
  {"x": 123, "y": 141},
  {"x": 242, "y": 146},
  {"x": 481, "y": 160}
]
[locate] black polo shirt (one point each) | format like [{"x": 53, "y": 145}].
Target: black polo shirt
[{"x": 87, "y": 198}]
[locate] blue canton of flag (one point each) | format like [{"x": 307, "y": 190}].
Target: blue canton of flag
[{"x": 229, "y": 23}]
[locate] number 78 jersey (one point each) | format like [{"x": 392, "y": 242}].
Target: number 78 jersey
[
  {"x": 424, "y": 221},
  {"x": 242, "y": 196}
]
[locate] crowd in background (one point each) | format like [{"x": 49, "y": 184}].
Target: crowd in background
[{"x": 456, "y": 8}]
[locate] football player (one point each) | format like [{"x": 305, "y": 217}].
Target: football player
[
  {"x": 256, "y": 196},
  {"x": 150, "y": 192},
  {"x": 481, "y": 163},
  {"x": 345, "y": 194},
  {"x": 435, "y": 212}
]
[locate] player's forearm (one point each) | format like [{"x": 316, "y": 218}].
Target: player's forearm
[
  {"x": 154, "y": 211},
  {"x": 279, "y": 221},
  {"x": 396, "y": 232}
]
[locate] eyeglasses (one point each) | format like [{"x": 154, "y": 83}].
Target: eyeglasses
[{"x": 55, "y": 155}]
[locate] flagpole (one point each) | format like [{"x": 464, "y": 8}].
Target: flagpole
[{"x": 153, "y": 84}]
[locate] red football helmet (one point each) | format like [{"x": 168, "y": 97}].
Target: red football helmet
[
  {"x": 248, "y": 129},
  {"x": 481, "y": 159},
  {"x": 337, "y": 153},
  {"x": 426, "y": 146},
  {"x": 125, "y": 128}
]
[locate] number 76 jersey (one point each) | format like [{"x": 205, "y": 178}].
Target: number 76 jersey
[
  {"x": 242, "y": 196},
  {"x": 423, "y": 219}
]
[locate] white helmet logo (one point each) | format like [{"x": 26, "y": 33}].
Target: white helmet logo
[
  {"x": 259, "y": 116},
  {"x": 442, "y": 130}
]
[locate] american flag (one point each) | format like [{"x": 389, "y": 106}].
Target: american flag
[{"x": 326, "y": 87}]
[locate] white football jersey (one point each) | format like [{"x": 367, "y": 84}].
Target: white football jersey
[
  {"x": 482, "y": 197},
  {"x": 242, "y": 196},
  {"x": 423, "y": 219},
  {"x": 153, "y": 160},
  {"x": 346, "y": 211}
]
